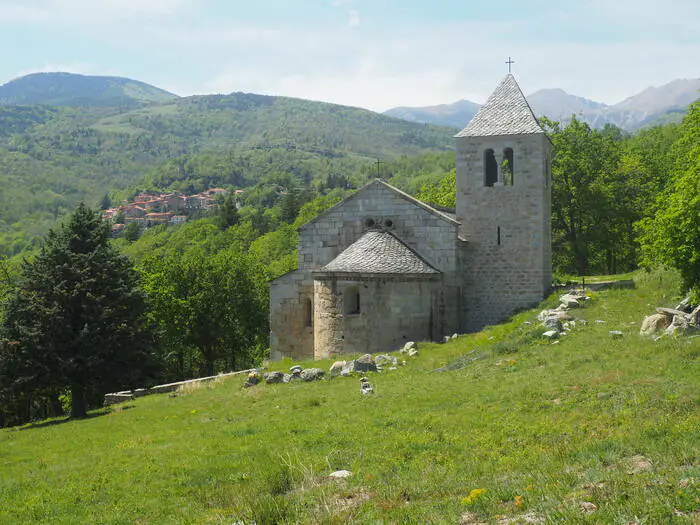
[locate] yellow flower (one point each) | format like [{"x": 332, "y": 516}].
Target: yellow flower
[
  {"x": 518, "y": 501},
  {"x": 473, "y": 496}
]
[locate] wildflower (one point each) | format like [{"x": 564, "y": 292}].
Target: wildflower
[
  {"x": 473, "y": 496},
  {"x": 518, "y": 501}
]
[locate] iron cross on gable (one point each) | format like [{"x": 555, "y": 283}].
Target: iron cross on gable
[{"x": 510, "y": 63}]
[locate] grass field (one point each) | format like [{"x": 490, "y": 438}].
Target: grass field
[{"x": 589, "y": 430}]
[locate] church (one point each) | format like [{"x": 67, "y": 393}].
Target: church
[{"x": 382, "y": 268}]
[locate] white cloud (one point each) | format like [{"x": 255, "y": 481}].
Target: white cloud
[{"x": 354, "y": 20}]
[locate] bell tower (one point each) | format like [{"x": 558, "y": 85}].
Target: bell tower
[{"x": 504, "y": 207}]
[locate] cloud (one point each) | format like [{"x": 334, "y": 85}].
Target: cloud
[
  {"x": 354, "y": 20},
  {"x": 338, "y": 3}
]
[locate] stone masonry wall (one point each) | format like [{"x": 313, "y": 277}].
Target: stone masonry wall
[
  {"x": 392, "y": 312},
  {"x": 507, "y": 259},
  {"x": 289, "y": 334}
]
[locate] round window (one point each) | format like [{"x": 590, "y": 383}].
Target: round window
[
  {"x": 388, "y": 223},
  {"x": 370, "y": 223}
]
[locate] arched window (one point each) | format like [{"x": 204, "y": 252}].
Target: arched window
[
  {"x": 308, "y": 313},
  {"x": 351, "y": 300},
  {"x": 490, "y": 168},
  {"x": 508, "y": 168}
]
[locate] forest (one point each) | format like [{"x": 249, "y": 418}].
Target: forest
[{"x": 198, "y": 292}]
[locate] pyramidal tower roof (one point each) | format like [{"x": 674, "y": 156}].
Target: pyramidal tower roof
[{"x": 506, "y": 112}]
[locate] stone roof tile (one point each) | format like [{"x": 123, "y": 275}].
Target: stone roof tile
[
  {"x": 379, "y": 252},
  {"x": 506, "y": 112}
]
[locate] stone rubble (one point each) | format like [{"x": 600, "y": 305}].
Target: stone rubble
[{"x": 682, "y": 320}]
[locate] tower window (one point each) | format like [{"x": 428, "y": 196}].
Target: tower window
[
  {"x": 351, "y": 300},
  {"x": 308, "y": 313},
  {"x": 507, "y": 167},
  {"x": 490, "y": 168},
  {"x": 498, "y": 236}
]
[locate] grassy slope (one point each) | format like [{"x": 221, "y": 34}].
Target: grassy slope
[{"x": 553, "y": 424}]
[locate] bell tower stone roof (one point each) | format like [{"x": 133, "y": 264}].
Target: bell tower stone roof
[{"x": 506, "y": 112}]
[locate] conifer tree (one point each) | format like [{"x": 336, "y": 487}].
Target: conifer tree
[
  {"x": 227, "y": 215},
  {"x": 76, "y": 319}
]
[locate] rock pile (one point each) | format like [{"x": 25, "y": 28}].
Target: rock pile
[
  {"x": 362, "y": 365},
  {"x": 684, "y": 319},
  {"x": 558, "y": 320}
]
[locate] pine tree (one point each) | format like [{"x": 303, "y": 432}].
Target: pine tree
[
  {"x": 76, "y": 319},
  {"x": 227, "y": 214}
]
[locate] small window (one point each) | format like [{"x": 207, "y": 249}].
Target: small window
[
  {"x": 351, "y": 300},
  {"x": 388, "y": 223},
  {"x": 370, "y": 223},
  {"x": 507, "y": 167},
  {"x": 308, "y": 313},
  {"x": 490, "y": 168}
]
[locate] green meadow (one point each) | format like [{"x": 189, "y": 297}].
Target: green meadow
[{"x": 515, "y": 429}]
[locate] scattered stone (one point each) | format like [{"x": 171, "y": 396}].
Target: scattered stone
[
  {"x": 312, "y": 374},
  {"x": 679, "y": 326},
  {"x": 569, "y": 301},
  {"x": 637, "y": 464},
  {"x": 295, "y": 368},
  {"x": 287, "y": 378},
  {"x": 446, "y": 339},
  {"x": 569, "y": 325},
  {"x": 455, "y": 336},
  {"x": 527, "y": 323},
  {"x": 411, "y": 345},
  {"x": 599, "y": 321},
  {"x": 670, "y": 312},
  {"x": 551, "y": 334},
  {"x": 413, "y": 352},
  {"x": 588, "y": 508},
  {"x": 253, "y": 379},
  {"x": 337, "y": 367},
  {"x": 386, "y": 359},
  {"x": 615, "y": 334},
  {"x": 562, "y": 315},
  {"x": 296, "y": 376},
  {"x": 365, "y": 387},
  {"x": 274, "y": 377},
  {"x": 340, "y": 474},
  {"x": 684, "y": 305},
  {"x": 553, "y": 323},
  {"x": 361, "y": 364},
  {"x": 654, "y": 324}
]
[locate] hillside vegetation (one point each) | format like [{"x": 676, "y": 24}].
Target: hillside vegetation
[
  {"x": 589, "y": 430},
  {"x": 51, "y": 158}
]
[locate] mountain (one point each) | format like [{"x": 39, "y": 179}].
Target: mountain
[
  {"x": 558, "y": 104},
  {"x": 652, "y": 106},
  {"x": 69, "y": 89},
  {"x": 455, "y": 115}
]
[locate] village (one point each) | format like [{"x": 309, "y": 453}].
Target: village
[{"x": 149, "y": 209}]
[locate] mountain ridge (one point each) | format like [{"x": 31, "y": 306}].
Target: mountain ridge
[
  {"x": 72, "y": 89},
  {"x": 653, "y": 104}
]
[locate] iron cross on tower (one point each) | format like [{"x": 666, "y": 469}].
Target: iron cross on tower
[{"x": 510, "y": 62}]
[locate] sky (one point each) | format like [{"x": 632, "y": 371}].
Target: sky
[{"x": 375, "y": 54}]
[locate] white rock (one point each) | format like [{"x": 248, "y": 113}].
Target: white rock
[
  {"x": 550, "y": 334},
  {"x": 615, "y": 334},
  {"x": 340, "y": 474}
]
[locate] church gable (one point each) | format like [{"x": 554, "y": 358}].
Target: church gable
[{"x": 376, "y": 207}]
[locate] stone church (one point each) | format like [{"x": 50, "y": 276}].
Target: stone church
[{"x": 382, "y": 268}]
